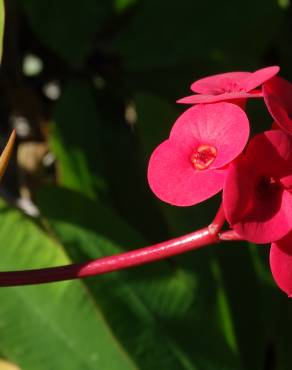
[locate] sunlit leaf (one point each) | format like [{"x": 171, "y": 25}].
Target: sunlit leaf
[{"x": 52, "y": 326}]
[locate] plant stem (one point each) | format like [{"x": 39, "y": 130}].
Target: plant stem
[
  {"x": 117, "y": 262},
  {"x": 218, "y": 221},
  {"x": 197, "y": 239}
]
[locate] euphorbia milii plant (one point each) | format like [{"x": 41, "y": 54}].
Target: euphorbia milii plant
[{"x": 208, "y": 151}]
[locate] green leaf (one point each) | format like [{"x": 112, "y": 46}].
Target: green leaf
[
  {"x": 52, "y": 326},
  {"x": 165, "y": 46},
  {"x": 74, "y": 139},
  {"x": 284, "y": 3},
  {"x": 67, "y": 27},
  {"x": 2, "y": 18},
  {"x": 122, "y": 5},
  {"x": 163, "y": 34},
  {"x": 99, "y": 156}
]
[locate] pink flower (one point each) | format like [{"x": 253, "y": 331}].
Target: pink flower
[
  {"x": 277, "y": 94},
  {"x": 188, "y": 167},
  {"x": 257, "y": 194},
  {"x": 281, "y": 263},
  {"x": 229, "y": 86}
]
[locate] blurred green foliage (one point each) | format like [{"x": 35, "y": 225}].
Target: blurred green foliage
[{"x": 120, "y": 65}]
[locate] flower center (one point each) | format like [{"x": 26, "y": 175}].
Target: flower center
[
  {"x": 232, "y": 87},
  {"x": 203, "y": 156},
  {"x": 267, "y": 187}
]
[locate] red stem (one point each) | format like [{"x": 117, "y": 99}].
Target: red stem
[
  {"x": 120, "y": 261},
  {"x": 218, "y": 221},
  {"x": 195, "y": 240}
]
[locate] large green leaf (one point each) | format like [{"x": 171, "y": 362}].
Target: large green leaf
[{"x": 53, "y": 326}]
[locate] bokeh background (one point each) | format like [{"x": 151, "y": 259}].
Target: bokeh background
[{"x": 90, "y": 87}]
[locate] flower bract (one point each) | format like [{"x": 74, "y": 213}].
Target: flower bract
[
  {"x": 188, "y": 167},
  {"x": 277, "y": 94},
  {"x": 229, "y": 86},
  {"x": 257, "y": 194},
  {"x": 281, "y": 263}
]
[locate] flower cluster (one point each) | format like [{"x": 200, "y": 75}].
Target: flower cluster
[{"x": 208, "y": 151}]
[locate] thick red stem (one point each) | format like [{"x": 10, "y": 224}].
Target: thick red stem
[
  {"x": 121, "y": 261},
  {"x": 195, "y": 240}
]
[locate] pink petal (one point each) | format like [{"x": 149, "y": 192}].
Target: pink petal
[
  {"x": 222, "y": 125},
  {"x": 281, "y": 263},
  {"x": 217, "y": 84},
  {"x": 261, "y": 217},
  {"x": 198, "y": 98},
  {"x": 278, "y": 97},
  {"x": 174, "y": 180},
  {"x": 270, "y": 154},
  {"x": 258, "y": 77},
  {"x": 256, "y": 219}
]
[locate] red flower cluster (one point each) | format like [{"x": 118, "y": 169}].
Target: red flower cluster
[{"x": 208, "y": 151}]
